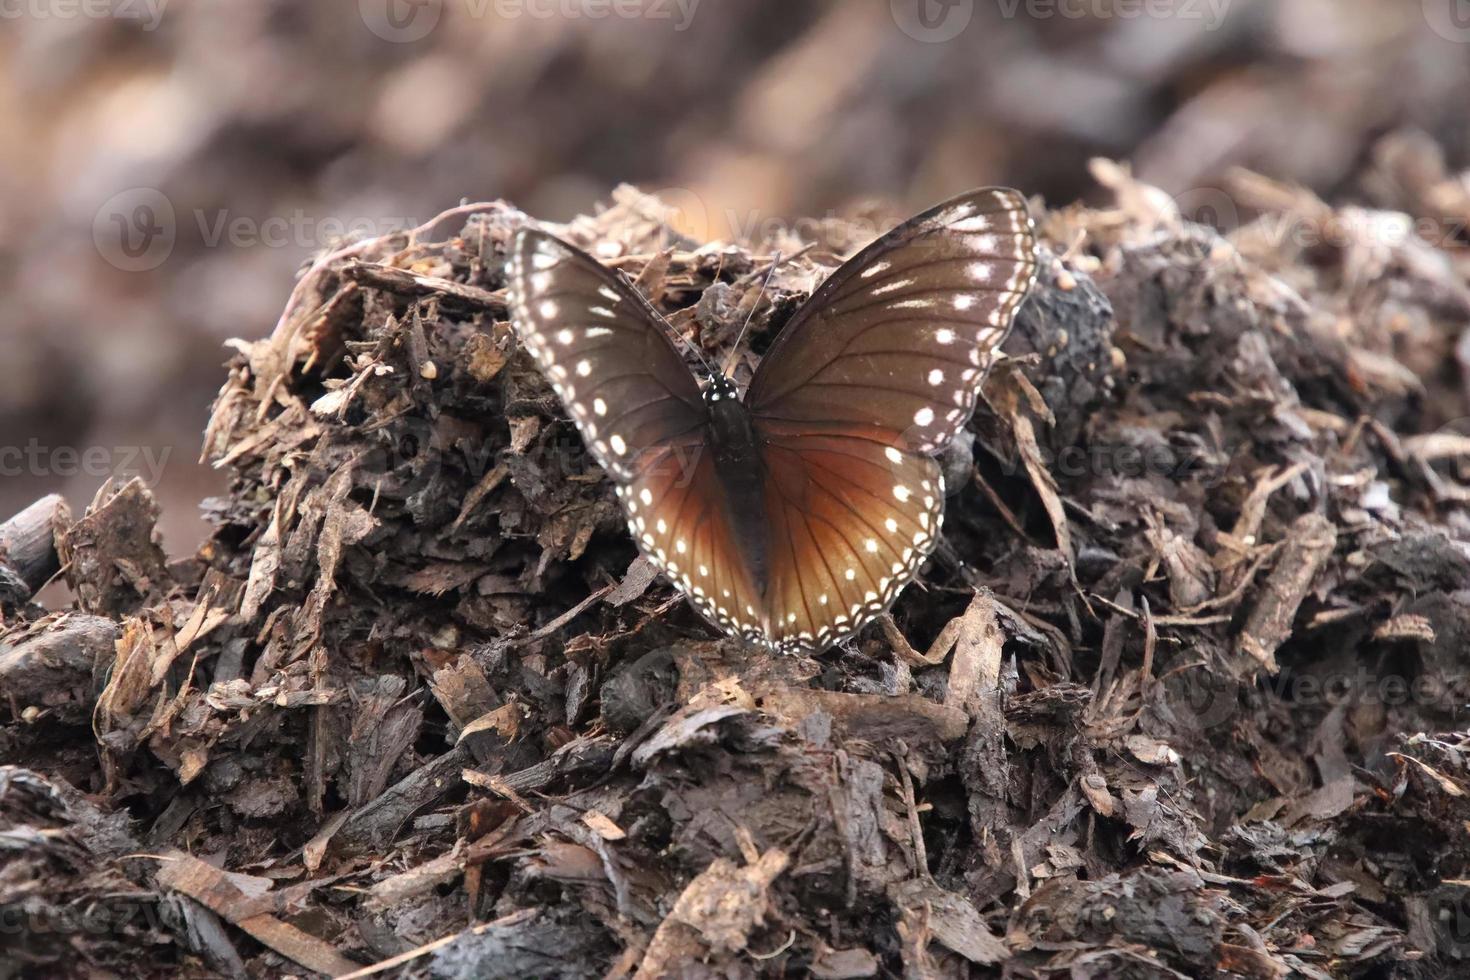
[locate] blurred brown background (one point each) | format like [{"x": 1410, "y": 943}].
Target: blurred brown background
[{"x": 166, "y": 166}]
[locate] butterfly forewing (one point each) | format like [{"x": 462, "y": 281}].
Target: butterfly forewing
[
  {"x": 600, "y": 345},
  {"x": 901, "y": 335},
  {"x": 641, "y": 412}
]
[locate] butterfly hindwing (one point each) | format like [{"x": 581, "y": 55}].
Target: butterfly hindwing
[
  {"x": 677, "y": 514},
  {"x": 852, "y": 519},
  {"x": 900, "y": 336}
]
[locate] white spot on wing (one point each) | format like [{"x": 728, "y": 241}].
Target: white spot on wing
[
  {"x": 980, "y": 222},
  {"x": 886, "y": 288}
]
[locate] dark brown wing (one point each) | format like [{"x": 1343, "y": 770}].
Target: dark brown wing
[
  {"x": 604, "y": 351},
  {"x": 677, "y": 514},
  {"x": 641, "y": 412},
  {"x": 852, "y": 519},
  {"x": 876, "y": 372},
  {"x": 899, "y": 338}
]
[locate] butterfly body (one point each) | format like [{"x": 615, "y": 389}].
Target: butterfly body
[
  {"x": 796, "y": 513},
  {"x": 736, "y": 451}
]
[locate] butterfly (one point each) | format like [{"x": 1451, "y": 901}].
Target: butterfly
[{"x": 794, "y": 515}]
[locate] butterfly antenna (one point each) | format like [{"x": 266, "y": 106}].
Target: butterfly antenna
[
  {"x": 735, "y": 350},
  {"x": 668, "y": 325}
]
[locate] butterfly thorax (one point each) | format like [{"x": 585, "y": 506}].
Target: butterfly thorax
[{"x": 738, "y": 463}]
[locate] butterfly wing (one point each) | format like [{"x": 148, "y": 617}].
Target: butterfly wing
[
  {"x": 640, "y": 412},
  {"x": 852, "y": 518},
  {"x": 900, "y": 336},
  {"x": 876, "y": 372},
  {"x": 599, "y": 343},
  {"x": 677, "y": 513}
]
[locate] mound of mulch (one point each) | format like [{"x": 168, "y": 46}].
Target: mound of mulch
[{"x": 1180, "y": 695}]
